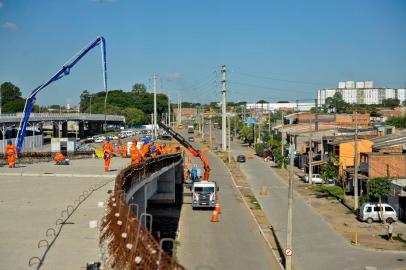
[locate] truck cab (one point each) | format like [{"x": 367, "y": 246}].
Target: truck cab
[{"x": 204, "y": 194}]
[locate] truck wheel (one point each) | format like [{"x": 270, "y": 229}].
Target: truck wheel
[
  {"x": 369, "y": 220},
  {"x": 389, "y": 220}
]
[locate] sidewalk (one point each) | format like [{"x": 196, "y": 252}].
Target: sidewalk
[{"x": 316, "y": 245}]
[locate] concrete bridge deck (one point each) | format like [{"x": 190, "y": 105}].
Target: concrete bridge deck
[{"x": 32, "y": 198}]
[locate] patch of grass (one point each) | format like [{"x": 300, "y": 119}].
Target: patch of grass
[
  {"x": 350, "y": 212},
  {"x": 253, "y": 201},
  {"x": 334, "y": 191},
  {"x": 400, "y": 239}
]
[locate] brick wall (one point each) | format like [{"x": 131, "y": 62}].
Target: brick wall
[{"x": 382, "y": 165}]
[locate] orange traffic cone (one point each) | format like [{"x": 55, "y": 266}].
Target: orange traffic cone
[
  {"x": 215, "y": 216},
  {"x": 218, "y": 208}
]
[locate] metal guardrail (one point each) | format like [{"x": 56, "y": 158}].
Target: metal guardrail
[
  {"x": 130, "y": 244},
  {"x": 41, "y": 117}
]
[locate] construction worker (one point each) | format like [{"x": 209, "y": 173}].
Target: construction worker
[
  {"x": 107, "y": 153},
  {"x": 136, "y": 156},
  {"x": 124, "y": 151},
  {"x": 118, "y": 150},
  {"x": 60, "y": 159},
  {"x": 11, "y": 153}
]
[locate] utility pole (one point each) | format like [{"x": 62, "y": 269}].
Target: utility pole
[
  {"x": 288, "y": 265},
  {"x": 283, "y": 140},
  {"x": 310, "y": 159},
  {"x": 269, "y": 123},
  {"x": 0, "y": 106},
  {"x": 211, "y": 142},
  {"x": 202, "y": 127},
  {"x": 155, "y": 112},
  {"x": 223, "y": 106},
  {"x": 169, "y": 110},
  {"x": 356, "y": 163},
  {"x": 229, "y": 140}
]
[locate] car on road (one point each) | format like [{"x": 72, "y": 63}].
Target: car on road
[
  {"x": 114, "y": 137},
  {"x": 316, "y": 179},
  {"x": 191, "y": 139},
  {"x": 371, "y": 212},
  {"x": 165, "y": 137},
  {"x": 98, "y": 139},
  {"x": 241, "y": 158}
]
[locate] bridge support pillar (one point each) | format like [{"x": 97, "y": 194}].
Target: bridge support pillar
[
  {"x": 140, "y": 198},
  {"x": 55, "y": 129},
  {"x": 64, "y": 129},
  {"x": 81, "y": 125}
]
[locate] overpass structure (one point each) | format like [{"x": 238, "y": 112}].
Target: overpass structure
[
  {"x": 126, "y": 228},
  {"x": 79, "y": 123}
]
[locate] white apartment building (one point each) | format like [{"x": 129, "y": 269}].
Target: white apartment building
[
  {"x": 272, "y": 107},
  {"x": 361, "y": 92}
]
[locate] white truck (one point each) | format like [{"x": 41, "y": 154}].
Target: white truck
[{"x": 204, "y": 194}]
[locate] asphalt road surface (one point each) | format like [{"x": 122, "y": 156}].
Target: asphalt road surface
[{"x": 234, "y": 242}]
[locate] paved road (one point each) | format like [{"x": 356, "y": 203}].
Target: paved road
[
  {"x": 316, "y": 245},
  {"x": 30, "y": 203},
  {"x": 232, "y": 243}
]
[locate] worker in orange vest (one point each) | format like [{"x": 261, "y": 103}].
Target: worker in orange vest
[
  {"x": 136, "y": 156},
  {"x": 118, "y": 150},
  {"x": 60, "y": 159},
  {"x": 107, "y": 153},
  {"x": 11, "y": 153},
  {"x": 124, "y": 151}
]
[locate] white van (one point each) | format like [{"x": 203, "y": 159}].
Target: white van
[
  {"x": 126, "y": 133},
  {"x": 370, "y": 212}
]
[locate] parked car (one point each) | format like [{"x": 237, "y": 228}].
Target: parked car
[
  {"x": 370, "y": 212},
  {"x": 241, "y": 158},
  {"x": 191, "y": 139},
  {"x": 89, "y": 140},
  {"x": 316, "y": 179},
  {"x": 113, "y": 137},
  {"x": 165, "y": 137},
  {"x": 98, "y": 140}
]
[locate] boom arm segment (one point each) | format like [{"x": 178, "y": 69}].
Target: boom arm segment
[
  {"x": 190, "y": 148},
  {"x": 65, "y": 70}
]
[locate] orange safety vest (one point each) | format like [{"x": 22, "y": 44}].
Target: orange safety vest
[
  {"x": 11, "y": 150},
  {"x": 107, "y": 150},
  {"x": 136, "y": 156}
]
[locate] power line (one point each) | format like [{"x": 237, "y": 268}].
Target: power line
[{"x": 278, "y": 79}]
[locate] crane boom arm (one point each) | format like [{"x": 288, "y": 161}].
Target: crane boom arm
[
  {"x": 190, "y": 148},
  {"x": 65, "y": 70}
]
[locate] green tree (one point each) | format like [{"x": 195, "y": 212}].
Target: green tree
[
  {"x": 139, "y": 89},
  {"x": 391, "y": 102},
  {"x": 11, "y": 100},
  {"x": 378, "y": 188},
  {"x": 247, "y": 133},
  {"x": 399, "y": 122},
  {"x": 329, "y": 171},
  {"x": 133, "y": 116}
]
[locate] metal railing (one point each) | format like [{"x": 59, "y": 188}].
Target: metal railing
[
  {"x": 40, "y": 117},
  {"x": 129, "y": 243}
]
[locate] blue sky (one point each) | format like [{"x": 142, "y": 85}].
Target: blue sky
[{"x": 274, "y": 50}]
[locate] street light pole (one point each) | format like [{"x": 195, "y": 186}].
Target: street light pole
[{"x": 288, "y": 265}]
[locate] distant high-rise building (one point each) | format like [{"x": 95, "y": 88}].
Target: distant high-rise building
[{"x": 363, "y": 92}]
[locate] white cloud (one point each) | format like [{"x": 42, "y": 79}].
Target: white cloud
[
  {"x": 175, "y": 76},
  {"x": 9, "y": 26},
  {"x": 1, "y": 5}
]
